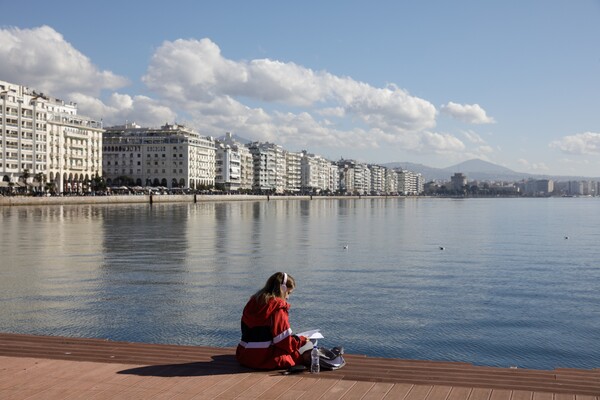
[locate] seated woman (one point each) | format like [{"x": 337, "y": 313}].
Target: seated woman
[{"x": 267, "y": 340}]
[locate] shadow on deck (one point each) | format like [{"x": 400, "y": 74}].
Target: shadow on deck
[{"x": 183, "y": 361}]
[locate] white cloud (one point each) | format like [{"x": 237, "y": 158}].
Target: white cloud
[
  {"x": 469, "y": 113},
  {"x": 43, "y": 60},
  {"x": 537, "y": 167},
  {"x": 196, "y": 76},
  {"x": 581, "y": 143},
  {"x": 261, "y": 99},
  {"x": 473, "y": 137},
  {"x": 122, "y": 107}
]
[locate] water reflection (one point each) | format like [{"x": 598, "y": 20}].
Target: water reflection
[{"x": 508, "y": 288}]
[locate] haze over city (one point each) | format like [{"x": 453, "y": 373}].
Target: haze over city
[{"x": 437, "y": 83}]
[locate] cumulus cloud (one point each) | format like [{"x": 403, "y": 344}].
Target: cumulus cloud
[
  {"x": 42, "y": 59},
  {"x": 195, "y": 75},
  {"x": 122, "y": 107},
  {"x": 469, "y": 113},
  {"x": 581, "y": 143},
  {"x": 262, "y": 99}
]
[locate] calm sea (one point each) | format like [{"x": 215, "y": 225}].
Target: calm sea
[{"x": 499, "y": 282}]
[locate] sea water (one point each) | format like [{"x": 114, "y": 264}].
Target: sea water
[{"x": 499, "y": 282}]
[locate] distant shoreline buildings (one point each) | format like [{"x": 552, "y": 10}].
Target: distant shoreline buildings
[{"x": 48, "y": 147}]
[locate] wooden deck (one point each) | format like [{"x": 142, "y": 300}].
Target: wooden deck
[{"x": 42, "y": 367}]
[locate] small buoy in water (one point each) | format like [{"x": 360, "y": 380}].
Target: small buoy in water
[
  {"x": 346, "y": 247},
  {"x": 442, "y": 248},
  {"x": 566, "y": 237}
]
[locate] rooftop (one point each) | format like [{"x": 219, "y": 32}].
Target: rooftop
[{"x": 43, "y": 367}]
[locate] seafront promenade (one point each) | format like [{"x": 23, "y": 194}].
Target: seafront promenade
[
  {"x": 173, "y": 198},
  {"x": 43, "y": 367}
]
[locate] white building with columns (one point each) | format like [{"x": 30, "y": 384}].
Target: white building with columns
[
  {"x": 45, "y": 138},
  {"x": 171, "y": 156}
]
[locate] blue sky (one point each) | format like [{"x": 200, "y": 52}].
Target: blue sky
[{"x": 516, "y": 83}]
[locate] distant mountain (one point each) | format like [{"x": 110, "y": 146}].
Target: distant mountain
[
  {"x": 480, "y": 166},
  {"x": 237, "y": 138},
  {"x": 476, "y": 170}
]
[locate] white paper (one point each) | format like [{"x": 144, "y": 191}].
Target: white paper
[{"x": 312, "y": 334}]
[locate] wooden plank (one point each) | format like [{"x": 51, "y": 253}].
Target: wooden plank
[
  {"x": 338, "y": 390},
  {"x": 459, "y": 393},
  {"x": 439, "y": 393},
  {"x": 522, "y": 395},
  {"x": 563, "y": 396},
  {"x": 480, "y": 394},
  {"x": 358, "y": 391},
  {"x": 143, "y": 366},
  {"x": 500, "y": 394},
  {"x": 418, "y": 392},
  {"x": 398, "y": 391},
  {"x": 378, "y": 391},
  {"x": 543, "y": 396},
  {"x": 316, "y": 388}
]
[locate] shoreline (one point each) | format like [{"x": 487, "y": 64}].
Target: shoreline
[{"x": 173, "y": 198}]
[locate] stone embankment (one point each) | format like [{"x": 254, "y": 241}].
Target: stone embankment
[{"x": 131, "y": 199}]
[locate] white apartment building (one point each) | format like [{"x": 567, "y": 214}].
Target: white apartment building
[
  {"x": 170, "y": 156},
  {"x": 293, "y": 162},
  {"x": 309, "y": 173},
  {"x": 362, "y": 179},
  {"x": 246, "y": 162},
  {"x": 228, "y": 167},
  {"x": 391, "y": 181},
  {"x": 333, "y": 181},
  {"x": 409, "y": 183},
  {"x": 45, "y": 138},
  {"x": 377, "y": 179},
  {"x": 269, "y": 167}
]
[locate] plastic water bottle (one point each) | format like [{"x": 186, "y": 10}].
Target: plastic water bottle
[{"x": 315, "y": 367}]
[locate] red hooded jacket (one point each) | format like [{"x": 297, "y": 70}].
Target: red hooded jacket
[{"x": 267, "y": 340}]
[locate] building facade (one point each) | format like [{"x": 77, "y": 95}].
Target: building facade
[
  {"x": 269, "y": 167},
  {"x": 228, "y": 167},
  {"x": 45, "y": 140},
  {"x": 171, "y": 156}
]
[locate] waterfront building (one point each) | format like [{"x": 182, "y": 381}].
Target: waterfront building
[
  {"x": 228, "y": 167},
  {"x": 333, "y": 180},
  {"x": 293, "y": 163},
  {"x": 171, "y": 156},
  {"x": 246, "y": 162},
  {"x": 346, "y": 176},
  {"x": 458, "y": 181},
  {"x": 310, "y": 173},
  {"x": 377, "y": 179},
  {"x": 45, "y": 140},
  {"x": 540, "y": 187},
  {"x": 576, "y": 188},
  {"x": 406, "y": 183},
  {"x": 419, "y": 183},
  {"x": 362, "y": 178},
  {"x": 391, "y": 181},
  {"x": 269, "y": 167}
]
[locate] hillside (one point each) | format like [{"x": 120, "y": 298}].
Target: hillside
[{"x": 476, "y": 170}]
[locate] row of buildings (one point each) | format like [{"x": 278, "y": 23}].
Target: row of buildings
[
  {"x": 46, "y": 142},
  {"x": 530, "y": 187}
]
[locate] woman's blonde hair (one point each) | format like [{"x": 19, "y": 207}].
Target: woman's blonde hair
[{"x": 274, "y": 287}]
